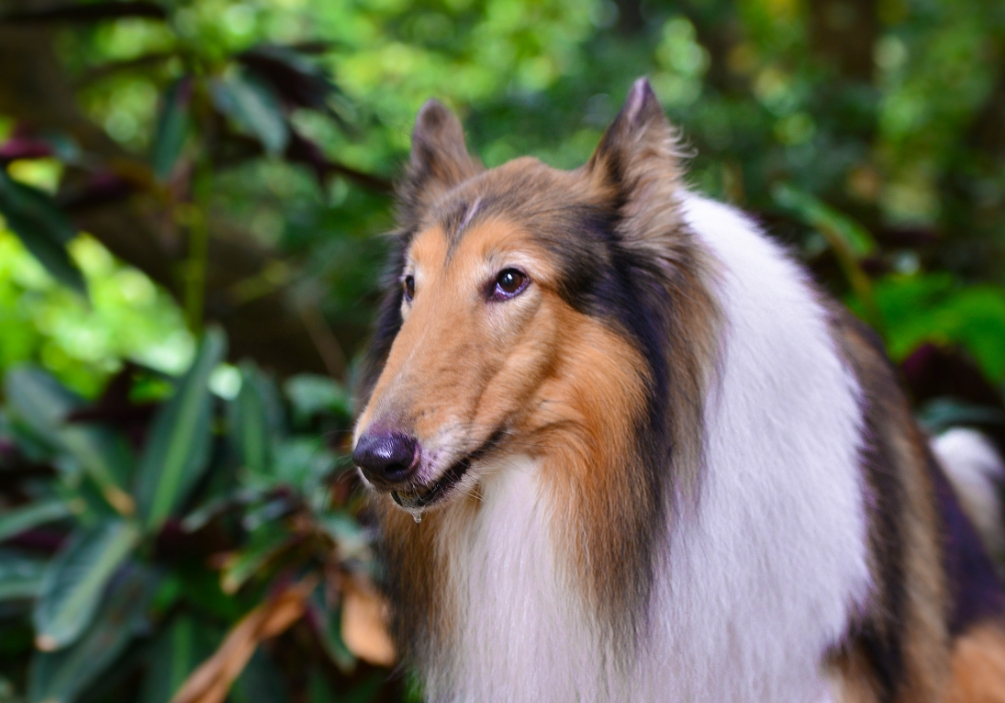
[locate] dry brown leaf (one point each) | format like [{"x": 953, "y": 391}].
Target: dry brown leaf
[
  {"x": 364, "y": 623},
  {"x": 213, "y": 679}
]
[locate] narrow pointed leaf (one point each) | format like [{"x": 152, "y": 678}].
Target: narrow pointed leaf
[
  {"x": 251, "y": 435},
  {"x": 173, "y": 125},
  {"x": 14, "y": 522},
  {"x": 75, "y": 581},
  {"x": 60, "y": 677},
  {"x": 178, "y": 448},
  {"x": 39, "y": 402},
  {"x": 39, "y": 223},
  {"x": 253, "y": 106}
]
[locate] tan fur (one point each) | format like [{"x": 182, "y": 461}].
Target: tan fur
[{"x": 978, "y": 666}]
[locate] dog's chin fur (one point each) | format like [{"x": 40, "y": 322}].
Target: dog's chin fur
[{"x": 718, "y": 492}]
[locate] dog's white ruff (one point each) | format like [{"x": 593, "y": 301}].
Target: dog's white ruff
[{"x": 756, "y": 583}]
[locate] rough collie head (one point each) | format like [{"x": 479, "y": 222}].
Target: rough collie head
[{"x": 538, "y": 312}]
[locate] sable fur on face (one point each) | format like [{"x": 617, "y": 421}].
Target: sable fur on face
[{"x": 598, "y": 370}]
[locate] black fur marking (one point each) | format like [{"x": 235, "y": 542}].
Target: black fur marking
[{"x": 975, "y": 589}]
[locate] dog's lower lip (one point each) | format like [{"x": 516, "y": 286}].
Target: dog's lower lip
[
  {"x": 417, "y": 501},
  {"x": 451, "y": 477}
]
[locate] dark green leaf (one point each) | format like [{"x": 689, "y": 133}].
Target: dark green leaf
[
  {"x": 36, "y": 219},
  {"x": 173, "y": 126},
  {"x": 75, "y": 580},
  {"x": 327, "y": 624},
  {"x": 178, "y": 448},
  {"x": 260, "y": 682},
  {"x": 253, "y": 106},
  {"x": 14, "y": 522},
  {"x": 251, "y": 433},
  {"x": 943, "y": 413},
  {"x": 20, "y": 576},
  {"x": 59, "y": 677},
  {"x": 173, "y": 656},
  {"x": 265, "y": 542},
  {"x": 41, "y": 403}
]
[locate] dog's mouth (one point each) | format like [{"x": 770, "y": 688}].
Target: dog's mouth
[{"x": 422, "y": 497}]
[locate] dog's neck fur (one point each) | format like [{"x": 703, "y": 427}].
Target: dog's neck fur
[{"x": 751, "y": 591}]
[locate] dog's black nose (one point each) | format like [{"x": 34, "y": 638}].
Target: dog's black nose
[{"x": 385, "y": 456}]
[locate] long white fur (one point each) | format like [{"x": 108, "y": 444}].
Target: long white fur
[
  {"x": 754, "y": 586},
  {"x": 976, "y": 472}
]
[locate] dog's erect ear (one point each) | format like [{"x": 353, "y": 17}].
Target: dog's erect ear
[
  {"x": 638, "y": 148},
  {"x": 439, "y": 160}
]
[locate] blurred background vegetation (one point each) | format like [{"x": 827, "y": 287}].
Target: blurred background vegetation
[{"x": 191, "y": 196}]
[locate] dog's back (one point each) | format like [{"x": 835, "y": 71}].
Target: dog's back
[{"x": 648, "y": 460}]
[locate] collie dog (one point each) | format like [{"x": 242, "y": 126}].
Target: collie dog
[{"x": 623, "y": 449}]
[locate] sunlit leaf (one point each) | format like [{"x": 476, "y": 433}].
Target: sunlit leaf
[
  {"x": 253, "y": 106},
  {"x": 177, "y": 450},
  {"x": 75, "y": 580},
  {"x": 59, "y": 677},
  {"x": 33, "y": 216}
]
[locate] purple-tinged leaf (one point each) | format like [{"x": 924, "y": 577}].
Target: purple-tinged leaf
[{"x": 24, "y": 147}]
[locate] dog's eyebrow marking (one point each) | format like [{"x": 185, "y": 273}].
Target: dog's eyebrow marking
[{"x": 468, "y": 215}]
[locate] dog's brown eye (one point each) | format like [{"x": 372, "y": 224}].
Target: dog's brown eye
[
  {"x": 409, "y": 285},
  {"x": 509, "y": 282}
]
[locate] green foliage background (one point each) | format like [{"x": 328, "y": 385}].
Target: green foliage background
[{"x": 866, "y": 135}]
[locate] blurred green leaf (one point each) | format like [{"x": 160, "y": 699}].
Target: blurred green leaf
[
  {"x": 36, "y": 219},
  {"x": 353, "y": 539},
  {"x": 830, "y": 222},
  {"x": 253, "y": 106},
  {"x": 847, "y": 239},
  {"x": 75, "y": 580},
  {"x": 175, "y": 653},
  {"x": 265, "y": 543},
  {"x": 311, "y": 394},
  {"x": 250, "y": 430},
  {"x": 178, "y": 447},
  {"x": 20, "y": 575},
  {"x": 327, "y": 624},
  {"x": 935, "y": 307},
  {"x": 32, "y": 515},
  {"x": 60, "y": 677},
  {"x": 42, "y": 404},
  {"x": 941, "y": 414},
  {"x": 173, "y": 125},
  {"x": 260, "y": 682}
]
